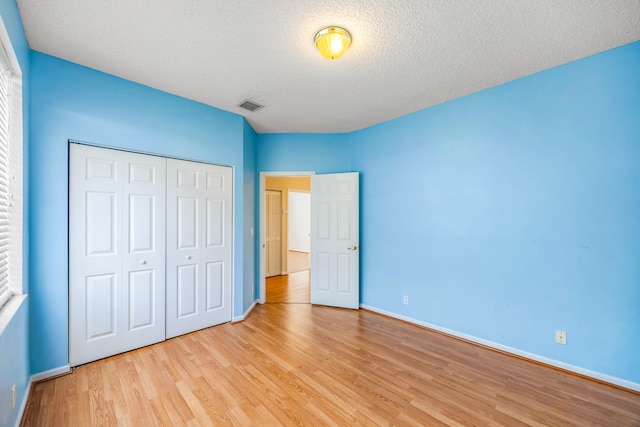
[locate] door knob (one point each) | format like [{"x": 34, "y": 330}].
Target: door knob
[
  {"x": 353, "y": 248},
  {"x": 143, "y": 261},
  {"x": 188, "y": 257}
]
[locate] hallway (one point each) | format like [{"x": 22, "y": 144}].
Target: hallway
[{"x": 290, "y": 288}]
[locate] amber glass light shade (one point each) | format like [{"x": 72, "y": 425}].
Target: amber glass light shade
[{"x": 332, "y": 42}]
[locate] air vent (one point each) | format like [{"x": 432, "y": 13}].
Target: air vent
[{"x": 250, "y": 105}]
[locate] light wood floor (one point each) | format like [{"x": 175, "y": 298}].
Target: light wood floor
[
  {"x": 289, "y": 288},
  {"x": 297, "y": 364}
]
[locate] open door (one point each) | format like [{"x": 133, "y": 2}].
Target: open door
[{"x": 335, "y": 240}]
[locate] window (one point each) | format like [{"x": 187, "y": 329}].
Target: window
[
  {"x": 5, "y": 183},
  {"x": 10, "y": 172}
]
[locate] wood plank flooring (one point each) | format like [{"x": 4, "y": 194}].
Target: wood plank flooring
[
  {"x": 291, "y": 288},
  {"x": 297, "y": 364}
]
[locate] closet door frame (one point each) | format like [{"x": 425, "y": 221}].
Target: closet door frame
[{"x": 112, "y": 342}]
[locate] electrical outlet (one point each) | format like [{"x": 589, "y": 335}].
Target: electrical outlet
[
  {"x": 13, "y": 396},
  {"x": 405, "y": 300},
  {"x": 561, "y": 337}
]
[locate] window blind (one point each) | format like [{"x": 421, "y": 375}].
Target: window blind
[{"x": 5, "y": 181}]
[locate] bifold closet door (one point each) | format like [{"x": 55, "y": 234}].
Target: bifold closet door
[
  {"x": 117, "y": 206},
  {"x": 199, "y": 246}
]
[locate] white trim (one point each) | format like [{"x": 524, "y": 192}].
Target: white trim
[
  {"x": 246, "y": 313},
  {"x": 263, "y": 224},
  {"x": 23, "y": 404},
  {"x": 233, "y": 237},
  {"x": 531, "y": 356},
  {"x": 50, "y": 373},
  {"x": 15, "y": 175},
  {"x": 33, "y": 379},
  {"x": 11, "y": 54}
]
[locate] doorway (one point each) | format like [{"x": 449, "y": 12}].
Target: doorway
[
  {"x": 299, "y": 238},
  {"x": 291, "y": 285}
]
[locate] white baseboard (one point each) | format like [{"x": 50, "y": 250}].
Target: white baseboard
[
  {"x": 23, "y": 404},
  {"x": 50, "y": 373},
  {"x": 246, "y": 313},
  {"x": 33, "y": 379},
  {"x": 531, "y": 356}
]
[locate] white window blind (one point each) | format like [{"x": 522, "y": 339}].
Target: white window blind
[
  {"x": 5, "y": 180},
  {"x": 10, "y": 176}
]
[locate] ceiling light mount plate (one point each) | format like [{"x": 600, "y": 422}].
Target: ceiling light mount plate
[{"x": 332, "y": 41}]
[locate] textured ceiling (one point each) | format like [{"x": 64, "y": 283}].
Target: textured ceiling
[{"x": 405, "y": 56}]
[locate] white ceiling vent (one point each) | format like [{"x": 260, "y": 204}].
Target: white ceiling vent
[{"x": 250, "y": 105}]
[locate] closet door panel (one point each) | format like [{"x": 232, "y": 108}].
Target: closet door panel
[
  {"x": 217, "y": 193},
  {"x": 101, "y": 222},
  {"x": 116, "y": 252},
  {"x": 183, "y": 248},
  {"x": 198, "y": 234},
  {"x": 101, "y": 306},
  {"x": 95, "y": 253},
  {"x": 142, "y": 313},
  {"x": 215, "y": 286},
  {"x": 144, "y": 222},
  {"x": 187, "y": 223},
  {"x": 187, "y": 294}
]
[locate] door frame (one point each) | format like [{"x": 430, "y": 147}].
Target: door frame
[{"x": 263, "y": 224}]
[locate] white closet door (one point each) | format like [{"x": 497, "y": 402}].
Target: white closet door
[
  {"x": 199, "y": 246},
  {"x": 144, "y": 224},
  {"x": 116, "y": 252}
]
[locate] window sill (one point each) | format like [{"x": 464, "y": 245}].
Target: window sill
[{"x": 9, "y": 310}]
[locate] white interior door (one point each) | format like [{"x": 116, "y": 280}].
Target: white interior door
[
  {"x": 199, "y": 246},
  {"x": 116, "y": 252},
  {"x": 335, "y": 238},
  {"x": 274, "y": 233}
]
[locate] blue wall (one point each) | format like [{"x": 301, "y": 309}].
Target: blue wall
[
  {"x": 14, "y": 342},
  {"x": 14, "y": 365},
  {"x": 518, "y": 213},
  {"x": 322, "y": 153},
  {"x": 74, "y": 102}
]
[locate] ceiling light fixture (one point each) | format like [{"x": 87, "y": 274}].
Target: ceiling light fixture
[{"x": 332, "y": 41}]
